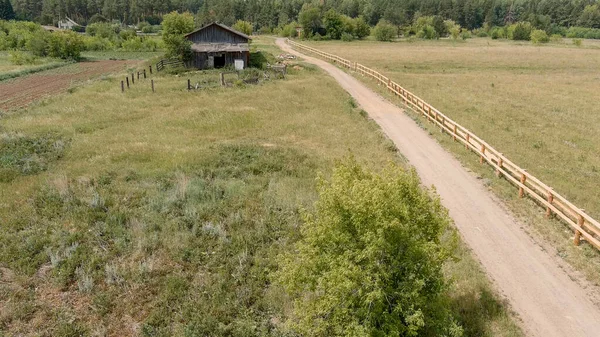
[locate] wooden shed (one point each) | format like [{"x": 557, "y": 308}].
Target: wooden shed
[{"x": 217, "y": 46}]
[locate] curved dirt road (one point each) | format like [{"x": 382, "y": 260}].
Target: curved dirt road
[{"x": 546, "y": 299}]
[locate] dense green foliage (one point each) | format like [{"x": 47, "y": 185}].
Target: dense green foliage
[
  {"x": 243, "y": 27},
  {"x": 369, "y": 262},
  {"x": 6, "y": 10},
  {"x": 384, "y": 31},
  {"x": 175, "y": 25},
  {"x": 28, "y": 36}
]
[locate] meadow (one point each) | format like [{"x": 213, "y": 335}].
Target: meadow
[
  {"x": 531, "y": 102},
  {"x": 162, "y": 214}
]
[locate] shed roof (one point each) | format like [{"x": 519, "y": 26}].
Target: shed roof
[
  {"x": 220, "y": 47},
  {"x": 222, "y": 26}
]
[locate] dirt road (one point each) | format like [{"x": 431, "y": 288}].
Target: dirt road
[{"x": 548, "y": 301}]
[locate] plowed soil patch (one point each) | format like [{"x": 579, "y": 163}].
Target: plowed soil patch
[{"x": 23, "y": 91}]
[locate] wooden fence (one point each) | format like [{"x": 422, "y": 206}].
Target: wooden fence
[
  {"x": 583, "y": 224},
  {"x": 172, "y": 63}
]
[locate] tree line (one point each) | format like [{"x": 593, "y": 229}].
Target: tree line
[{"x": 269, "y": 14}]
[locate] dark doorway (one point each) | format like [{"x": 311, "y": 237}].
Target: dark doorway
[{"x": 220, "y": 61}]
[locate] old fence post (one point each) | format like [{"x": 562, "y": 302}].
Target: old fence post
[
  {"x": 482, "y": 153},
  {"x": 132, "y": 79},
  {"x": 122, "y": 86},
  {"x": 500, "y": 163},
  {"x": 152, "y": 85},
  {"x": 189, "y": 84},
  {"x": 550, "y": 199},
  {"x": 127, "y": 78},
  {"x": 468, "y": 137},
  {"x": 222, "y": 77},
  {"x": 144, "y": 73},
  {"x": 521, "y": 188},
  {"x": 577, "y": 238},
  {"x": 150, "y": 69},
  {"x": 138, "y": 75}
]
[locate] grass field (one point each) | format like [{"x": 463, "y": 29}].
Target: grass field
[
  {"x": 533, "y": 103},
  {"x": 162, "y": 214}
]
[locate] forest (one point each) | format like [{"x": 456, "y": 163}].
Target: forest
[{"x": 269, "y": 14}]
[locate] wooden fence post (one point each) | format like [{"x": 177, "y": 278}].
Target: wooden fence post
[
  {"x": 132, "y": 79},
  {"x": 222, "y": 76},
  {"x": 138, "y": 75},
  {"x": 150, "y": 69},
  {"x": 577, "y": 239},
  {"x": 550, "y": 200},
  {"x": 468, "y": 137},
  {"x": 482, "y": 154},
  {"x": 144, "y": 73},
  {"x": 122, "y": 86},
  {"x": 152, "y": 85},
  {"x": 127, "y": 78},
  {"x": 189, "y": 84},
  {"x": 521, "y": 189},
  {"x": 500, "y": 163}
]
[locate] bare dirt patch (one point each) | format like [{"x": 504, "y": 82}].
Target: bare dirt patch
[{"x": 23, "y": 91}]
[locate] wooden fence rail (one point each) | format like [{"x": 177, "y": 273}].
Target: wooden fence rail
[
  {"x": 583, "y": 224},
  {"x": 172, "y": 63}
]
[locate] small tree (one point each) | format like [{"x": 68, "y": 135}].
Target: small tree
[
  {"x": 243, "y": 27},
  {"x": 175, "y": 25},
  {"x": 369, "y": 262},
  {"x": 453, "y": 29},
  {"x": 520, "y": 31},
  {"x": 334, "y": 24},
  {"x": 6, "y": 10},
  {"x": 310, "y": 20},
  {"x": 539, "y": 36},
  {"x": 384, "y": 31},
  {"x": 361, "y": 28}
]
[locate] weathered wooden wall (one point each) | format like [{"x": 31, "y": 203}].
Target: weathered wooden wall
[
  {"x": 200, "y": 59},
  {"x": 216, "y": 34}
]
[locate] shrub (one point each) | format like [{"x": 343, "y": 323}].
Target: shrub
[
  {"x": 38, "y": 45},
  {"x": 465, "y": 34},
  {"x": 289, "y": 30},
  {"x": 539, "y": 36},
  {"x": 384, "y": 31},
  {"x": 264, "y": 30},
  {"x": 453, "y": 29},
  {"x": 556, "y": 38},
  {"x": 577, "y": 42},
  {"x": 243, "y": 27},
  {"x": 175, "y": 25},
  {"x": 427, "y": 32},
  {"x": 19, "y": 57},
  {"x": 497, "y": 33},
  {"x": 370, "y": 258},
  {"x": 95, "y": 43},
  {"x": 361, "y": 28},
  {"x": 347, "y": 37},
  {"x": 65, "y": 45},
  {"x": 520, "y": 31}
]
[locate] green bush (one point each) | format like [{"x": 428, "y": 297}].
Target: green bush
[
  {"x": 427, "y": 32},
  {"x": 369, "y": 261},
  {"x": 361, "y": 28},
  {"x": 384, "y": 31},
  {"x": 96, "y": 43},
  {"x": 465, "y": 34},
  {"x": 497, "y": 33},
  {"x": 347, "y": 37},
  {"x": 453, "y": 29},
  {"x": 556, "y": 38},
  {"x": 243, "y": 27},
  {"x": 539, "y": 36},
  {"x": 19, "y": 57},
  {"x": 520, "y": 31},
  {"x": 289, "y": 30},
  {"x": 65, "y": 45},
  {"x": 175, "y": 25},
  {"x": 577, "y": 42}
]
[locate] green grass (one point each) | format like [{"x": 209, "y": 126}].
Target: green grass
[
  {"x": 9, "y": 70},
  {"x": 162, "y": 214},
  {"x": 529, "y": 102},
  {"x": 120, "y": 55}
]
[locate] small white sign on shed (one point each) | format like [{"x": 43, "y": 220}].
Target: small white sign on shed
[{"x": 239, "y": 64}]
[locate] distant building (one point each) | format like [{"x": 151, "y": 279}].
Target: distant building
[
  {"x": 67, "y": 23},
  {"x": 217, "y": 46}
]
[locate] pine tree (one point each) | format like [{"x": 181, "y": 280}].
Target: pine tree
[{"x": 6, "y": 10}]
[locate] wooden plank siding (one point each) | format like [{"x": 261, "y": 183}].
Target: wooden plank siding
[{"x": 216, "y": 34}]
